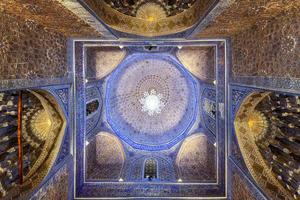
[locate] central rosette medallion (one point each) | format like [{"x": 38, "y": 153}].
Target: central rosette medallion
[{"x": 152, "y": 103}]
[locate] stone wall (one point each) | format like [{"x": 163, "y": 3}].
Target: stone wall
[
  {"x": 30, "y": 51},
  {"x": 269, "y": 49}
]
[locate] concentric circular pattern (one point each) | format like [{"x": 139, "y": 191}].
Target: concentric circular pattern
[
  {"x": 151, "y": 12},
  {"x": 127, "y": 86},
  {"x": 131, "y": 8}
]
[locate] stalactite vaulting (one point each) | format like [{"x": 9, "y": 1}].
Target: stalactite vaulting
[
  {"x": 43, "y": 126},
  {"x": 271, "y": 150}
]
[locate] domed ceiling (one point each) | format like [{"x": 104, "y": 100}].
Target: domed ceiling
[
  {"x": 155, "y": 108},
  {"x": 150, "y": 17},
  {"x": 151, "y": 102},
  {"x": 133, "y": 7}
]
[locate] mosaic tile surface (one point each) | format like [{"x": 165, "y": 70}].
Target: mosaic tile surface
[
  {"x": 102, "y": 61},
  {"x": 270, "y": 48},
  {"x": 30, "y": 51},
  {"x": 126, "y": 88},
  {"x": 196, "y": 160},
  {"x": 56, "y": 187},
  {"x": 199, "y": 61},
  {"x": 105, "y": 157}
]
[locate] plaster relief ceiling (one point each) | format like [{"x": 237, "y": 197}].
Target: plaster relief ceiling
[{"x": 151, "y": 102}]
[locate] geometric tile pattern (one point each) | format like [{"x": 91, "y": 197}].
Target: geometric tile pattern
[
  {"x": 133, "y": 184},
  {"x": 127, "y": 86},
  {"x": 56, "y": 187}
]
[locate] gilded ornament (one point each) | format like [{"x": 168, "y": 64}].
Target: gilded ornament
[{"x": 249, "y": 125}]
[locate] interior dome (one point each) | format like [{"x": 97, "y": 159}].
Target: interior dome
[
  {"x": 132, "y": 7},
  {"x": 150, "y": 18},
  {"x": 151, "y": 102}
]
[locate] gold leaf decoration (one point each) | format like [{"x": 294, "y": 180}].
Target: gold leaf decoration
[{"x": 151, "y": 12}]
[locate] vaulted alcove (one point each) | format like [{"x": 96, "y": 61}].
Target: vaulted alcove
[
  {"x": 32, "y": 128},
  {"x": 267, "y": 125}
]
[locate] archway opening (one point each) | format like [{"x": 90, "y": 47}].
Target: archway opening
[{"x": 150, "y": 169}]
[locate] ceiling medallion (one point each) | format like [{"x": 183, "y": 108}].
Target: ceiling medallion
[
  {"x": 257, "y": 124},
  {"x": 152, "y": 103}
]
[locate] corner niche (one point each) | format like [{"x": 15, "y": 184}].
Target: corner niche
[
  {"x": 43, "y": 128},
  {"x": 267, "y": 128}
]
